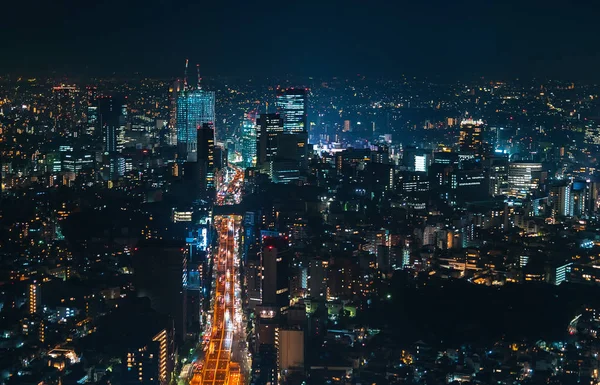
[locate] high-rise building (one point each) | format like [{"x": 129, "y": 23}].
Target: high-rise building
[
  {"x": 206, "y": 155},
  {"x": 290, "y": 157},
  {"x": 35, "y": 298},
  {"x": 268, "y": 126},
  {"x": 112, "y": 113},
  {"x": 523, "y": 177},
  {"x": 249, "y": 141},
  {"x": 173, "y": 96},
  {"x": 158, "y": 267},
  {"x": 111, "y": 118},
  {"x": 92, "y": 111},
  {"x": 498, "y": 174},
  {"x": 253, "y": 282},
  {"x": 275, "y": 267},
  {"x": 292, "y": 106},
  {"x": 317, "y": 278},
  {"x": 562, "y": 200},
  {"x": 194, "y": 108},
  {"x": 470, "y": 139},
  {"x": 66, "y": 110}
]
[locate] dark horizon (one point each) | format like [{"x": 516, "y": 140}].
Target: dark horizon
[{"x": 433, "y": 38}]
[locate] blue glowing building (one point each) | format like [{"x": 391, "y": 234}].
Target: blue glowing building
[
  {"x": 292, "y": 106},
  {"x": 248, "y": 142},
  {"x": 194, "y": 108}
]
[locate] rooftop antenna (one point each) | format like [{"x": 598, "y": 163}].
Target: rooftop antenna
[
  {"x": 199, "y": 78},
  {"x": 185, "y": 75}
]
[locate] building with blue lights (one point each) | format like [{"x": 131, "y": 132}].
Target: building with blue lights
[
  {"x": 194, "y": 108},
  {"x": 292, "y": 106},
  {"x": 248, "y": 143}
]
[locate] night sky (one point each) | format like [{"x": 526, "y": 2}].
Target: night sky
[{"x": 452, "y": 39}]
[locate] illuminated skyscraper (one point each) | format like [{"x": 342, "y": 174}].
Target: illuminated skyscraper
[
  {"x": 561, "y": 196},
  {"x": 206, "y": 155},
  {"x": 173, "y": 95},
  {"x": 92, "y": 111},
  {"x": 470, "y": 136},
  {"x": 275, "y": 274},
  {"x": 35, "y": 296},
  {"x": 112, "y": 122},
  {"x": 194, "y": 108},
  {"x": 292, "y": 106},
  {"x": 268, "y": 126},
  {"x": 249, "y": 141},
  {"x": 66, "y": 109}
]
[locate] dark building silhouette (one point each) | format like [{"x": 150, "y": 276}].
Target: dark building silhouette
[
  {"x": 268, "y": 126},
  {"x": 275, "y": 284},
  {"x": 158, "y": 267},
  {"x": 206, "y": 156}
]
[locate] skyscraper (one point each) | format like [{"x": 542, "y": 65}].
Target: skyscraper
[
  {"x": 470, "y": 136},
  {"x": 562, "y": 199},
  {"x": 35, "y": 296},
  {"x": 206, "y": 155},
  {"x": 112, "y": 112},
  {"x": 112, "y": 121},
  {"x": 173, "y": 96},
  {"x": 292, "y": 106},
  {"x": 275, "y": 282},
  {"x": 249, "y": 141},
  {"x": 159, "y": 267},
  {"x": 92, "y": 111},
  {"x": 66, "y": 109},
  {"x": 194, "y": 108},
  {"x": 268, "y": 126}
]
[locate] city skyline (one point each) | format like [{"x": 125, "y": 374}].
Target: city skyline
[{"x": 382, "y": 214}]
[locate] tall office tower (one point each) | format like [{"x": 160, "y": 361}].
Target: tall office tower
[
  {"x": 268, "y": 126},
  {"x": 66, "y": 109},
  {"x": 249, "y": 141},
  {"x": 173, "y": 95},
  {"x": 470, "y": 140},
  {"x": 581, "y": 196},
  {"x": 317, "y": 278},
  {"x": 194, "y": 108},
  {"x": 292, "y": 106},
  {"x": 158, "y": 275},
  {"x": 275, "y": 269},
  {"x": 291, "y": 157},
  {"x": 206, "y": 155},
  {"x": 523, "y": 177},
  {"x": 497, "y": 167},
  {"x": 593, "y": 204},
  {"x": 112, "y": 112},
  {"x": 92, "y": 111},
  {"x": 35, "y": 298},
  {"x": 253, "y": 282},
  {"x": 562, "y": 200}
]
